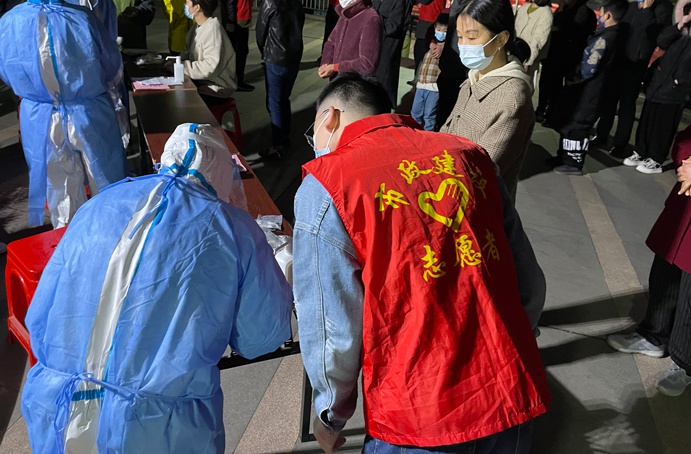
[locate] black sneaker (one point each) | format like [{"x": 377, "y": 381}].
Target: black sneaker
[
  {"x": 272, "y": 154},
  {"x": 245, "y": 87},
  {"x": 568, "y": 170},
  {"x": 619, "y": 152}
]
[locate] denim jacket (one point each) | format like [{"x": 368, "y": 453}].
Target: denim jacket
[{"x": 329, "y": 296}]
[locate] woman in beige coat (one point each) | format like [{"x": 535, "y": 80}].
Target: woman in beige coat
[
  {"x": 534, "y": 25},
  {"x": 494, "y": 107}
]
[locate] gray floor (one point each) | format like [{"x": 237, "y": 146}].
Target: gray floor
[{"x": 588, "y": 233}]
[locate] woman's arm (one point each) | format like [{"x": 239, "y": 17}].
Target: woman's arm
[
  {"x": 208, "y": 66},
  {"x": 370, "y": 50}
]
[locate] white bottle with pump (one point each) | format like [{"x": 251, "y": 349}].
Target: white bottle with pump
[{"x": 178, "y": 69}]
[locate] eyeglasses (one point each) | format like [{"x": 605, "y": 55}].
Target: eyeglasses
[{"x": 310, "y": 137}]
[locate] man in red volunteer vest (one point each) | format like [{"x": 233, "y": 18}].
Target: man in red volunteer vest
[{"x": 411, "y": 265}]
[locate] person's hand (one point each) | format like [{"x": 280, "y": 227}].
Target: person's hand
[
  {"x": 435, "y": 49},
  {"x": 326, "y": 71},
  {"x": 230, "y": 27},
  {"x": 448, "y": 4},
  {"x": 684, "y": 177},
  {"x": 329, "y": 441},
  {"x": 647, "y": 3}
]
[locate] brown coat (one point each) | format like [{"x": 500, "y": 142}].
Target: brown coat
[{"x": 497, "y": 113}]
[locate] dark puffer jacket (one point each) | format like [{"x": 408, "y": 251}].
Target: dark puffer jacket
[{"x": 671, "y": 81}]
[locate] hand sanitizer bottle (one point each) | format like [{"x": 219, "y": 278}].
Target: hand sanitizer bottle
[{"x": 178, "y": 69}]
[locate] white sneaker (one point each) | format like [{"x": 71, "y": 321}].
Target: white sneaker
[
  {"x": 649, "y": 166},
  {"x": 673, "y": 381},
  {"x": 634, "y": 160},
  {"x": 635, "y": 343}
]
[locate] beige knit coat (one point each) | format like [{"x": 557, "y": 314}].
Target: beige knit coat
[
  {"x": 496, "y": 112},
  {"x": 534, "y": 28}
]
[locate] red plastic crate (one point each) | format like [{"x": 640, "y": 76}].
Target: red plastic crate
[{"x": 26, "y": 259}]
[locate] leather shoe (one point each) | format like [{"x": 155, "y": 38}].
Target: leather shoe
[
  {"x": 568, "y": 170},
  {"x": 245, "y": 87}
]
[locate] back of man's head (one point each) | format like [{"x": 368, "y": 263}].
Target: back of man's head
[
  {"x": 359, "y": 96},
  {"x": 617, "y": 8}
]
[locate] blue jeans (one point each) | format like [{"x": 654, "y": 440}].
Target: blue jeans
[
  {"x": 515, "y": 440},
  {"x": 425, "y": 107},
  {"x": 279, "y": 82}
]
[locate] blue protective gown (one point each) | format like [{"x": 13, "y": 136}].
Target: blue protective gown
[
  {"x": 205, "y": 279},
  {"x": 60, "y": 60}
]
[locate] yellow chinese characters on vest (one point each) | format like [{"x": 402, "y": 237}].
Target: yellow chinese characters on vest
[{"x": 454, "y": 187}]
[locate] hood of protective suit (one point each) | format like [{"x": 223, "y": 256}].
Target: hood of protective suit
[
  {"x": 513, "y": 69},
  {"x": 198, "y": 152}
]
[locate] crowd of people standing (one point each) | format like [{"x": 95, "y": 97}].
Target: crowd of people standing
[{"x": 412, "y": 268}]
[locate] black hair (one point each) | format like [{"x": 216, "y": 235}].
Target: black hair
[
  {"x": 617, "y": 8},
  {"x": 495, "y": 15},
  {"x": 542, "y": 2},
  {"x": 207, "y": 6},
  {"x": 442, "y": 19},
  {"x": 521, "y": 50},
  {"x": 358, "y": 93}
]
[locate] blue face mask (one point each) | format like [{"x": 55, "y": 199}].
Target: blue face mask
[
  {"x": 440, "y": 36},
  {"x": 187, "y": 13},
  {"x": 600, "y": 23},
  {"x": 473, "y": 55}
]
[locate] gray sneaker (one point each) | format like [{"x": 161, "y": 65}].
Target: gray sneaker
[
  {"x": 634, "y": 160},
  {"x": 649, "y": 166},
  {"x": 673, "y": 381},
  {"x": 635, "y": 343}
]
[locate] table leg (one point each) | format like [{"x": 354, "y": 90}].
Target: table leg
[{"x": 306, "y": 418}]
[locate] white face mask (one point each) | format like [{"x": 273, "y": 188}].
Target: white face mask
[
  {"x": 322, "y": 151},
  {"x": 345, "y": 3}
]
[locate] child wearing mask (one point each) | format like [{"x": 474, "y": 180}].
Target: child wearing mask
[{"x": 424, "y": 109}]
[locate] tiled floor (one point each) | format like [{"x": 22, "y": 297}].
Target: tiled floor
[{"x": 588, "y": 233}]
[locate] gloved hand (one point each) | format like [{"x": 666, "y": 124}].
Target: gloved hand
[{"x": 328, "y": 440}]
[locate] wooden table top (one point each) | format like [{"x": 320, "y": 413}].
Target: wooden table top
[
  {"x": 139, "y": 72},
  {"x": 161, "y": 112}
]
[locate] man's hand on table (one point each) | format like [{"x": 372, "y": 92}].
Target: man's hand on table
[
  {"x": 684, "y": 177},
  {"x": 329, "y": 441}
]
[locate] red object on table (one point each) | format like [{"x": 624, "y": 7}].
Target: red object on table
[
  {"x": 218, "y": 110},
  {"x": 26, "y": 259}
]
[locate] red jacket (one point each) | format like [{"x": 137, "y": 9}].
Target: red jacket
[
  {"x": 355, "y": 43},
  {"x": 448, "y": 352},
  {"x": 670, "y": 237},
  {"x": 430, "y": 12}
]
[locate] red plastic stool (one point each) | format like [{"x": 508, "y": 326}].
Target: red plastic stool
[
  {"x": 26, "y": 259},
  {"x": 218, "y": 110}
]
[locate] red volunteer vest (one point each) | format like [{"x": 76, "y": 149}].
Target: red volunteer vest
[{"x": 448, "y": 351}]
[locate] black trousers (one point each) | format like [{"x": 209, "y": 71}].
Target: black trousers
[
  {"x": 389, "y": 67},
  {"x": 329, "y": 23},
  {"x": 656, "y": 129},
  {"x": 419, "y": 51},
  {"x": 573, "y": 147},
  {"x": 620, "y": 96},
  {"x": 668, "y": 317},
  {"x": 551, "y": 81},
  {"x": 240, "y": 39}
]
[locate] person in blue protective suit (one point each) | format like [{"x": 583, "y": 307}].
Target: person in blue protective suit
[
  {"x": 62, "y": 63},
  {"x": 107, "y": 13},
  {"x": 153, "y": 279}
]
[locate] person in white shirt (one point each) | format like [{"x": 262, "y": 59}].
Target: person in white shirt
[
  {"x": 533, "y": 25},
  {"x": 209, "y": 57}
]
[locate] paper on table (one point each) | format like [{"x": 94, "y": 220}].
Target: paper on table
[
  {"x": 237, "y": 161},
  {"x": 137, "y": 85},
  {"x": 159, "y": 81}
]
